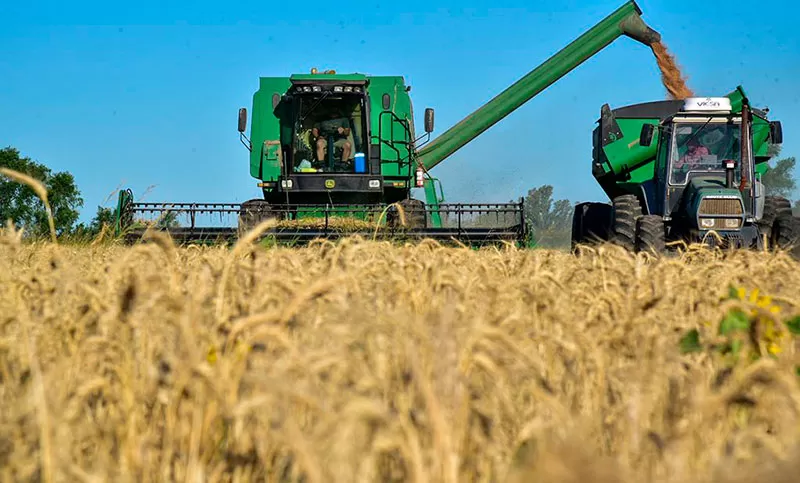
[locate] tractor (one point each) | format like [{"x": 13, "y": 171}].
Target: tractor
[{"x": 686, "y": 170}]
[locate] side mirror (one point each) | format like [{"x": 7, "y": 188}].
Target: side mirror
[
  {"x": 646, "y": 136},
  {"x": 242, "y": 119},
  {"x": 776, "y": 132},
  {"x": 429, "y": 120}
]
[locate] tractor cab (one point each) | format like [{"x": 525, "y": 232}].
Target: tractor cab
[{"x": 703, "y": 179}]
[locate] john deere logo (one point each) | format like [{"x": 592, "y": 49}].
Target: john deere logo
[{"x": 329, "y": 183}]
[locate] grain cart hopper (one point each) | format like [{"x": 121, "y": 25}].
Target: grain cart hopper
[
  {"x": 326, "y": 146},
  {"x": 680, "y": 169}
]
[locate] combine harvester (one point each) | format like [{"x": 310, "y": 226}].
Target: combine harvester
[
  {"x": 337, "y": 154},
  {"x": 678, "y": 170}
]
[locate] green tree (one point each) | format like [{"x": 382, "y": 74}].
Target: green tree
[
  {"x": 19, "y": 203},
  {"x": 779, "y": 180},
  {"x": 104, "y": 216},
  {"x": 550, "y": 221}
]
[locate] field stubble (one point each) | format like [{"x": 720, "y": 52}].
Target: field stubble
[{"x": 362, "y": 361}]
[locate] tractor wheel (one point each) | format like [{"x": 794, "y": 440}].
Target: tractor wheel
[
  {"x": 650, "y": 235},
  {"x": 591, "y": 223},
  {"x": 626, "y": 210},
  {"x": 253, "y": 212},
  {"x": 773, "y": 206},
  {"x": 785, "y": 232},
  {"x": 413, "y": 213}
]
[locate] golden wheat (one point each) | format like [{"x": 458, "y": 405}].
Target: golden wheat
[{"x": 365, "y": 361}]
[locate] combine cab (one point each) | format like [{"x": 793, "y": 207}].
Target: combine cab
[{"x": 337, "y": 154}]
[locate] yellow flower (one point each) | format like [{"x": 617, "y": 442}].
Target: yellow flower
[
  {"x": 774, "y": 349},
  {"x": 211, "y": 357},
  {"x": 754, "y": 296},
  {"x": 764, "y": 302},
  {"x": 740, "y": 293}
]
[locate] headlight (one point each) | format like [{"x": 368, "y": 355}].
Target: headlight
[
  {"x": 707, "y": 222},
  {"x": 732, "y": 222},
  {"x": 720, "y": 223}
]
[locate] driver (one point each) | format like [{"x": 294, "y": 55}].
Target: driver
[
  {"x": 693, "y": 154},
  {"x": 339, "y": 127}
]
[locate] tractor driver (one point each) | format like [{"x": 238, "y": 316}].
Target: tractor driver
[
  {"x": 339, "y": 128},
  {"x": 690, "y": 159}
]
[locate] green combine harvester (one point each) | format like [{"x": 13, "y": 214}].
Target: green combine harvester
[
  {"x": 338, "y": 154},
  {"x": 678, "y": 170}
]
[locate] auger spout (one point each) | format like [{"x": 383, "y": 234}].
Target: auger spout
[{"x": 626, "y": 20}]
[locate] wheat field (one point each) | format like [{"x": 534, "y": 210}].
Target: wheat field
[{"x": 365, "y": 361}]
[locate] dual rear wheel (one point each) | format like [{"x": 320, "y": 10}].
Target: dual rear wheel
[
  {"x": 621, "y": 223},
  {"x": 634, "y": 230}
]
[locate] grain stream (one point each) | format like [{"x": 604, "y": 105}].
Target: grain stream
[{"x": 672, "y": 78}]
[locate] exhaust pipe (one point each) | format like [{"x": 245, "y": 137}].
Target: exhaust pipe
[{"x": 730, "y": 165}]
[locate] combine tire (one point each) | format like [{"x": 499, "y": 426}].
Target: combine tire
[
  {"x": 650, "y": 235},
  {"x": 413, "y": 212},
  {"x": 773, "y": 206},
  {"x": 253, "y": 212},
  {"x": 591, "y": 223},
  {"x": 626, "y": 210}
]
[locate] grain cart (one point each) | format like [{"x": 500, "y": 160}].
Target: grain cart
[
  {"x": 326, "y": 146},
  {"x": 681, "y": 169}
]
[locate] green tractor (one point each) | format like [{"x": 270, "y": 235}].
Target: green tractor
[
  {"x": 325, "y": 147},
  {"x": 685, "y": 170}
]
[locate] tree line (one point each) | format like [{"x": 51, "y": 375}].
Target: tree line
[{"x": 550, "y": 220}]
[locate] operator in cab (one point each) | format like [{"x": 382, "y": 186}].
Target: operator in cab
[
  {"x": 335, "y": 125},
  {"x": 706, "y": 149}
]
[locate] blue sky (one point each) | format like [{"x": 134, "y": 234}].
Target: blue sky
[{"x": 146, "y": 94}]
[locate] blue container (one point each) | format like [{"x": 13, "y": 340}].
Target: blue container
[{"x": 361, "y": 163}]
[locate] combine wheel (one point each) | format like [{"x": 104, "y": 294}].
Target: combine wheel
[
  {"x": 591, "y": 223},
  {"x": 626, "y": 210},
  {"x": 413, "y": 212},
  {"x": 253, "y": 212},
  {"x": 650, "y": 235}
]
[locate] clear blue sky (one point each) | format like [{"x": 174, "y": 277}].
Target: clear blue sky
[{"x": 146, "y": 93}]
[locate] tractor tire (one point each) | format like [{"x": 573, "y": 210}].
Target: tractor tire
[
  {"x": 785, "y": 232},
  {"x": 591, "y": 223},
  {"x": 253, "y": 212},
  {"x": 626, "y": 211},
  {"x": 773, "y": 205},
  {"x": 413, "y": 212},
  {"x": 651, "y": 235}
]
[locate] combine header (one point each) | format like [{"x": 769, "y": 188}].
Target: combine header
[{"x": 338, "y": 154}]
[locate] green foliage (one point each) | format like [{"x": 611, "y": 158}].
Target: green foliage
[
  {"x": 691, "y": 342},
  {"x": 19, "y": 203},
  {"x": 104, "y": 216},
  {"x": 550, "y": 221},
  {"x": 735, "y": 320},
  {"x": 793, "y": 325},
  {"x": 779, "y": 180},
  {"x": 752, "y": 328}
]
